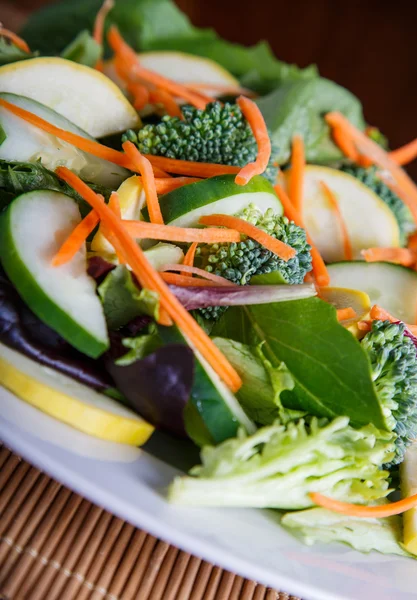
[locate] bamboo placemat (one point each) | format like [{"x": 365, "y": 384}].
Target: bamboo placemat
[{"x": 55, "y": 545}]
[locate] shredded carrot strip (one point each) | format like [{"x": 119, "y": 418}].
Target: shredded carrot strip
[
  {"x": 347, "y": 246},
  {"x": 150, "y": 279},
  {"x": 276, "y": 246},
  {"x": 171, "y": 233},
  {"x": 377, "y": 313},
  {"x": 15, "y": 39},
  {"x": 189, "y": 257},
  {"x": 406, "y": 187},
  {"x": 128, "y": 56},
  {"x": 405, "y": 154},
  {"x": 345, "y": 144},
  {"x": 164, "y": 185},
  {"x": 364, "y": 325},
  {"x": 412, "y": 242},
  {"x": 161, "y": 96},
  {"x": 143, "y": 165},
  {"x": 190, "y": 168},
  {"x": 76, "y": 239},
  {"x": 319, "y": 268},
  {"x": 72, "y": 138},
  {"x": 201, "y": 273},
  {"x": 98, "y": 29},
  {"x": 256, "y": 122},
  {"x": 355, "y": 510},
  {"x": 400, "y": 256},
  {"x": 298, "y": 163},
  {"x": 140, "y": 94},
  {"x": 345, "y": 313},
  {"x": 114, "y": 205},
  {"x": 186, "y": 281}
]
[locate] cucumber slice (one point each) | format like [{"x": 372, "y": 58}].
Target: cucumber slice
[
  {"x": 393, "y": 287},
  {"x": 184, "y": 207},
  {"x": 32, "y": 230},
  {"x": 219, "y": 410},
  {"x": 369, "y": 221},
  {"x": 27, "y": 143}
]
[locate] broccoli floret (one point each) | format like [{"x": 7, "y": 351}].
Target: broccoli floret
[
  {"x": 394, "y": 370},
  {"x": 219, "y": 134},
  {"x": 240, "y": 261},
  {"x": 400, "y": 211}
]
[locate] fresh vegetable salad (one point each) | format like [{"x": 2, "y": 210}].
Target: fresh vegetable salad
[{"x": 199, "y": 238}]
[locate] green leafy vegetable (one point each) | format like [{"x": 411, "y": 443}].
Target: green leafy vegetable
[
  {"x": 139, "y": 347},
  {"x": 83, "y": 50},
  {"x": 122, "y": 299},
  {"x": 365, "y": 535},
  {"x": 299, "y": 107},
  {"x": 279, "y": 465},
  {"x": 10, "y": 53}
]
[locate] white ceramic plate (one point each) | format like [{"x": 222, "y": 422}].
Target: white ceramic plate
[{"x": 130, "y": 483}]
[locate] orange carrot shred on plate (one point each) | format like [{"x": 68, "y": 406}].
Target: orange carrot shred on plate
[
  {"x": 377, "y": 313},
  {"x": 161, "y": 96},
  {"x": 76, "y": 239},
  {"x": 356, "y": 510},
  {"x": 185, "y": 280},
  {"x": 364, "y": 325},
  {"x": 150, "y": 279},
  {"x": 172, "y": 233},
  {"x": 190, "y": 168},
  {"x": 298, "y": 164},
  {"x": 254, "y": 117},
  {"x": 320, "y": 271},
  {"x": 126, "y": 54},
  {"x": 347, "y": 246},
  {"x": 78, "y": 141},
  {"x": 140, "y": 94},
  {"x": 399, "y": 256},
  {"x": 345, "y": 144},
  {"x": 405, "y": 154},
  {"x": 15, "y": 39},
  {"x": 164, "y": 185},
  {"x": 407, "y": 189},
  {"x": 189, "y": 257},
  {"x": 345, "y": 313},
  {"x": 98, "y": 29},
  {"x": 412, "y": 242},
  {"x": 276, "y": 246},
  {"x": 114, "y": 205},
  {"x": 222, "y": 281},
  {"x": 143, "y": 165}
]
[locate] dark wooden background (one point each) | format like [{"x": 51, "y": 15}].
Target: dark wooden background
[{"x": 369, "y": 46}]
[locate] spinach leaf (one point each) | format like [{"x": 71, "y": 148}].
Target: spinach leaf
[{"x": 83, "y": 50}]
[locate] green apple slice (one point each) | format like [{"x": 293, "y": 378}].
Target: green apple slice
[
  {"x": 82, "y": 95},
  {"x": 183, "y": 68},
  {"x": 368, "y": 220},
  {"x": 32, "y": 229},
  {"x": 184, "y": 206},
  {"x": 27, "y": 143},
  {"x": 393, "y": 287}
]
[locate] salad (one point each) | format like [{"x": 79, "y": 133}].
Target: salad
[{"x": 198, "y": 238}]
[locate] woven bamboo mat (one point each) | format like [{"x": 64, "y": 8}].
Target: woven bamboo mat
[{"x": 54, "y": 545}]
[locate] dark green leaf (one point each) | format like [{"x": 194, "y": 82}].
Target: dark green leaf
[{"x": 83, "y": 50}]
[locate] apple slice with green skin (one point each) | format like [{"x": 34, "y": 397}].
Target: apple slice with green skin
[
  {"x": 184, "y": 206},
  {"x": 32, "y": 229},
  {"x": 393, "y": 287},
  {"x": 182, "y": 68},
  {"x": 82, "y": 95},
  {"x": 369, "y": 222},
  {"x": 27, "y": 143}
]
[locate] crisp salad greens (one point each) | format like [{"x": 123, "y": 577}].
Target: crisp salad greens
[{"x": 182, "y": 247}]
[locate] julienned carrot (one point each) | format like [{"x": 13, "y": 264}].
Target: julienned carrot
[
  {"x": 171, "y": 233},
  {"x": 76, "y": 239},
  {"x": 161, "y": 96},
  {"x": 150, "y": 279},
  {"x": 345, "y": 144},
  {"x": 319, "y": 268},
  {"x": 298, "y": 163},
  {"x": 188, "y": 167},
  {"x": 128, "y": 56},
  {"x": 377, "y": 313},
  {"x": 114, "y": 205},
  {"x": 143, "y": 165},
  {"x": 257, "y": 123},
  {"x": 400, "y": 256},
  {"x": 355, "y": 510},
  {"x": 345, "y": 313},
  {"x": 164, "y": 185},
  {"x": 15, "y": 39},
  {"x": 364, "y": 325},
  {"x": 222, "y": 281},
  {"x": 405, "y": 186},
  {"x": 189, "y": 257},
  {"x": 185, "y": 281},
  {"x": 412, "y": 242},
  {"x": 78, "y": 141},
  {"x": 276, "y": 246},
  {"x": 405, "y": 154},
  {"x": 140, "y": 95},
  {"x": 347, "y": 246},
  {"x": 98, "y": 29}
]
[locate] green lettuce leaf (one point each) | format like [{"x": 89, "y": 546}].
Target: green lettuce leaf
[
  {"x": 321, "y": 525},
  {"x": 10, "y": 53},
  {"x": 279, "y": 465},
  {"x": 83, "y": 50},
  {"x": 122, "y": 300},
  {"x": 139, "y": 347}
]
